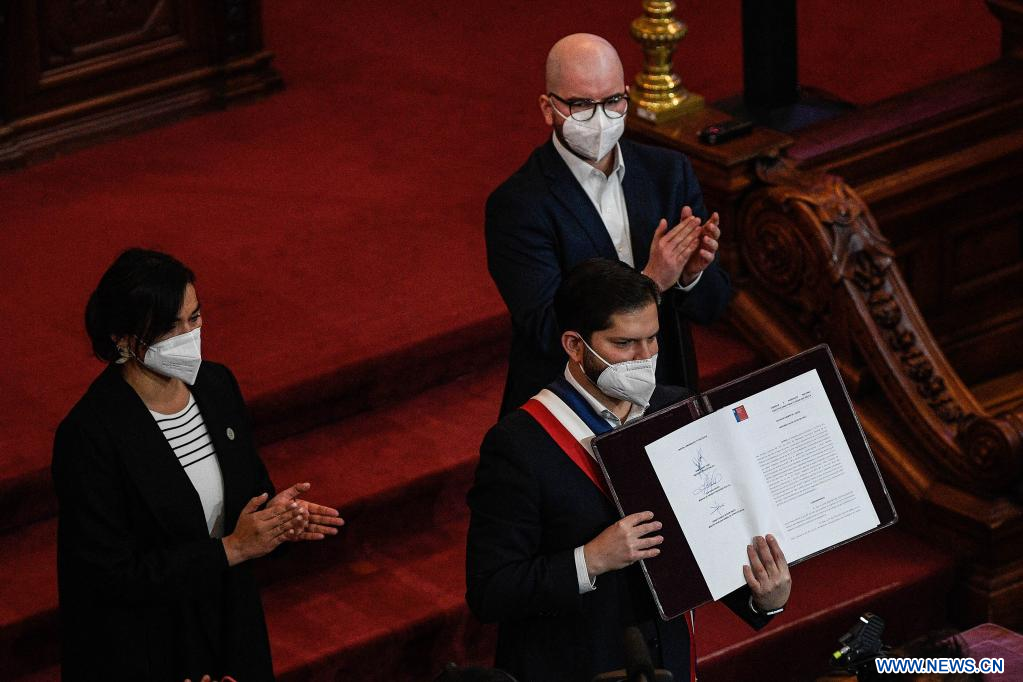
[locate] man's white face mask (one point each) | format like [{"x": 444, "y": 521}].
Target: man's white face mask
[
  {"x": 179, "y": 356},
  {"x": 593, "y": 139},
  {"x": 632, "y": 380}
]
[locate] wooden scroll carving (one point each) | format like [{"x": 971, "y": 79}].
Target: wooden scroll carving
[{"x": 808, "y": 240}]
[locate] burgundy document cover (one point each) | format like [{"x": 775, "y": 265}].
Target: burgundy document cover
[{"x": 674, "y": 577}]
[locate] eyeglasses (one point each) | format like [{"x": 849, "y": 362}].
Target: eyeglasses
[{"x": 614, "y": 106}]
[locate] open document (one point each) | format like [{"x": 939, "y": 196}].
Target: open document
[
  {"x": 777, "y": 462},
  {"x": 779, "y": 450}
]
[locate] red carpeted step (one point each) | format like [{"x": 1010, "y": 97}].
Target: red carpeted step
[
  {"x": 394, "y": 473},
  {"x": 279, "y": 407},
  {"x": 345, "y": 616},
  {"x": 890, "y": 573},
  {"x": 333, "y": 241},
  {"x": 335, "y": 392},
  {"x": 395, "y": 613},
  {"x": 344, "y": 620},
  {"x": 28, "y": 599},
  {"x": 339, "y": 251}
]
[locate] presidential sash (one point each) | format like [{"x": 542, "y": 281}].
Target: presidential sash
[{"x": 571, "y": 422}]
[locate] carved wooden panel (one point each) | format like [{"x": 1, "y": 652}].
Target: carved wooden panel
[
  {"x": 994, "y": 250},
  {"x": 75, "y": 69},
  {"x": 963, "y": 260},
  {"x": 74, "y": 31},
  {"x": 71, "y": 50},
  {"x": 941, "y": 170}
]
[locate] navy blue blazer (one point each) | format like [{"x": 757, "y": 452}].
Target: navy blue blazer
[
  {"x": 540, "y": 224},
  {"x": 531, "y": 506}
]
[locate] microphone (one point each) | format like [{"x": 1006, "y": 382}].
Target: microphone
[
  {"x": 861, "y": 645},
  {"x": 639, "y": 667}
]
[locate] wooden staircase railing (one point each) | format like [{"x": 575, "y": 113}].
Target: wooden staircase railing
[
  {"x": 819, "y": 270},
  {"x": 811, "y": 264},
  {"x": 809, "y": 241}
]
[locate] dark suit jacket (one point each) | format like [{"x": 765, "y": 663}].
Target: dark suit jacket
[
  {"x": 540, "y": 224},
  {"x": 531, "y": 506},
  {"x": 145, "y": 593}
]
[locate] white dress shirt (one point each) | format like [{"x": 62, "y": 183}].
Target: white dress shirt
[
  {"x": 605, "y": 191},
  {"x": 587, "y": 584},
  {"x": 608, "y": 197}
]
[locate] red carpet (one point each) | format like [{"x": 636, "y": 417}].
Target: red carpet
[{"x": 336, "y": 230}]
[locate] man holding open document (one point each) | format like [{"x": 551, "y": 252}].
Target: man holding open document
[
  {"x": 775, "y": 462},
  {"x": 548, "y": 557}
]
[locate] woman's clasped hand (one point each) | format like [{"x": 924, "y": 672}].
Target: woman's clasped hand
[{"x": 286, "y": 517}]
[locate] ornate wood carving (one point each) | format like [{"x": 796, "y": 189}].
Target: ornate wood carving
[
  {"x": 940, "y": 169},
  {"x": 807, "y": 238},
  {"x": 810, "y": 264}
]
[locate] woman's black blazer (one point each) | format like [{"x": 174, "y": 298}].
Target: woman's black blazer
[{"x": 145, "y": 593}]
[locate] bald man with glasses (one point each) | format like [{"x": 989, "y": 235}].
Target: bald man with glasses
[{"x": 586, "y": 193}]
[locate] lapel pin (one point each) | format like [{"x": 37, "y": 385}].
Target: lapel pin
[{"x": 230, "y": 433}]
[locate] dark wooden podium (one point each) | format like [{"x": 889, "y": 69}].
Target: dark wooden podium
[{"x": 75, "y": 71}]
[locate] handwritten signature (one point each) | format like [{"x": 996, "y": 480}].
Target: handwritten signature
[
  {"x": 716, "y": 510},
  {"x": 700, "y": 463},
  {"x": 708, "y": 481}
]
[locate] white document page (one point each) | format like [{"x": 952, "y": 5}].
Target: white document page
[{"x": 777, "y": 462}]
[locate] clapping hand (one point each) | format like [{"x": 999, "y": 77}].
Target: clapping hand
[
  {"x": 678, "y": 255},
  {"x": 703, "y": 256},
  {"x": 259, "y": 531},
  {"x": 672, "y": 249},
  {"x": 321, "y": 520}
]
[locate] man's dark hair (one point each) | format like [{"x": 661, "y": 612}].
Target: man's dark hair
[
  {"x": 138, "y": 296},
  {"x": 598, "y": 288}
]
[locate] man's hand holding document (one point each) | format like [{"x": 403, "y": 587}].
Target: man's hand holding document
[
  {"x": 776, "y": 463},
  {"x": 777, "y": 453}
]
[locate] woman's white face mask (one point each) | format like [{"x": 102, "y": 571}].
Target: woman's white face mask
[{"x": 179, "y": 356}]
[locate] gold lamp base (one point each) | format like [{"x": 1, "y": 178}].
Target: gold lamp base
[
  {"x": 669, "y": 109},
  {"x": 659, "y": 93}
]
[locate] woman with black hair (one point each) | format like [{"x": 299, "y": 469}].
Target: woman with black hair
[{"x": 163, "y": 498}]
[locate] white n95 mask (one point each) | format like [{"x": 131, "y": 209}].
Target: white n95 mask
[
  {"x": 595, "y": 138},
  {"x": 632, "y": 380},
  {"x": 179, "y": 356}
]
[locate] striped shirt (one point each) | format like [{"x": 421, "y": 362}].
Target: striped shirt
[{"x": 186, "y": 433}]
